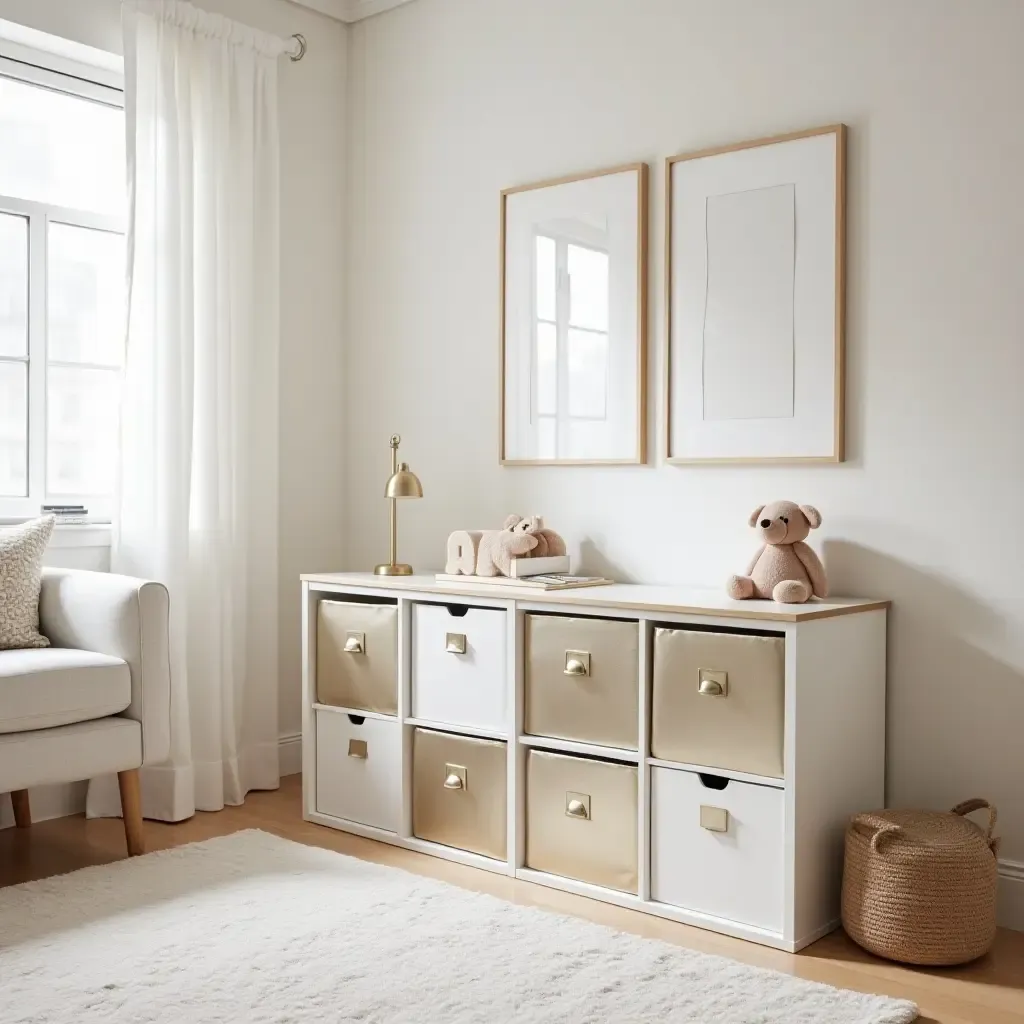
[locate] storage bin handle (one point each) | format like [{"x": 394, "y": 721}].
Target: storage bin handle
[
  {"x": 880, "y": 828},
  {"x": 577, "y": 663},
  {"x": 976, "y": 804},
  {"x": 355, "y": 643},
  {"x": 577, "y": 805},
  {"x": 455, "y": 776},
  {"x": 712, "y": 682},
  {"x": 455, "y": 643}
]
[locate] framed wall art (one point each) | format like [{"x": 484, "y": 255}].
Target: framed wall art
[
  {"x": 755, "y": 292},
  {"x": 573, "y": 255}
]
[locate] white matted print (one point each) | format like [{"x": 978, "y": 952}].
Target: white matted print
[
  {"x": 573, "y": 312},
  {"x": 755, "y": 301}
]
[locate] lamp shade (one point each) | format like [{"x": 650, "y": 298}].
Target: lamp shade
[{"x": 404, "y": 484}]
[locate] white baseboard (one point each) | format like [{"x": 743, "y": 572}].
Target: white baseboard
[
  {"x": 61, "y": 801},
  {"x": 49, "y": 802},
  {"x": 290, "y": 754},
  {"x": 1011, "y": 894}
]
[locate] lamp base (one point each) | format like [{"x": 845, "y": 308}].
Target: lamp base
[{"x": 392, "y": 570}]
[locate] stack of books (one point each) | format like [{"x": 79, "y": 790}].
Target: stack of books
[
  {"x": 548, "y": 581},
  {"x": 67, "y": 514}
]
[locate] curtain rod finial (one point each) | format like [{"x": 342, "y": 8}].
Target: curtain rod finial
[{"x": 302, "y": 47}]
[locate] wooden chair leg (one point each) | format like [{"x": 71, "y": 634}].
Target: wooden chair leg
[
  {"x": 22, "y": 810},
  {"x": 131, "y": 810}
]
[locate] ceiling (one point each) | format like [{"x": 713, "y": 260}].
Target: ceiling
[{"x": 349, "y": 10}]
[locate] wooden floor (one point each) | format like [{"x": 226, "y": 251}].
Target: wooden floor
[{"x": 989, "y": 991}]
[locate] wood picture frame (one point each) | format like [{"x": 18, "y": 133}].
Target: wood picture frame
[
  {"x": 511, "y": 453},
  {"x": 831, "y": 139}
]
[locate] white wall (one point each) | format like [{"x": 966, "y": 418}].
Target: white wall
[
  {"x": 313, "y": 161},
  {"x": 452, "y": 100}
]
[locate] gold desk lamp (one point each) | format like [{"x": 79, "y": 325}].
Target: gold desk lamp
[{"x": 403, "y": 483}]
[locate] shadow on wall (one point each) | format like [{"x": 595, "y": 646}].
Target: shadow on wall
[
  {"x": 593, "y": 562},
  {"x": 954, "y": 709}
]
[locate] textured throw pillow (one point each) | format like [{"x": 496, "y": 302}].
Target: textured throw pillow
[{"x": 21, "y": 573}]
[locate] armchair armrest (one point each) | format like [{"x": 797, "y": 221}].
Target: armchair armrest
[{"x": 125, "y": 618}]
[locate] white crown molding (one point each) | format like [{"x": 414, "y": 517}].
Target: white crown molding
[{"x": 349, "y": 11}]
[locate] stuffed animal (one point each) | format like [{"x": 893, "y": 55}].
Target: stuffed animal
[
  {"x": 548, "y": 542},
  {"x": 784, "y": 569},
  {"x": 496, "y": 548}
]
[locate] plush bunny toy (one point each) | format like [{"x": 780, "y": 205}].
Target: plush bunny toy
[{"x": 785, "y": 568}]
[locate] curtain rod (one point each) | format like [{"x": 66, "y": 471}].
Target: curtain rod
[{"x": 300, "y": 51}]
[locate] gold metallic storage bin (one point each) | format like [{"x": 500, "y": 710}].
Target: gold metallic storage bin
[
  {"x": 718, "y": 700},
  {"x": 459, "y": 797},
  {"x": 581, "y": 819},
  {"x": 357, "y": 656},
  {"x": 581, "y": 679}
]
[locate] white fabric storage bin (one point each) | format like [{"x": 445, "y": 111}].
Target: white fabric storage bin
[
  {"x": 718, "y": 851},
  {"x": 359, "y": 769},
  {"x": 459, "y": 666}
]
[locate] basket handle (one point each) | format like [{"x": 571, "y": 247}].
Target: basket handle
[
  {"x": 879, "y": 828},
  {"x": 976, "y": 805}
]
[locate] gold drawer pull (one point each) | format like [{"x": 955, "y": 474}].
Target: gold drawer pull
[
  {"x": 455, "y": 643},
  {"x": 577, "y": 663},
  {"x": 358, "y": 748},
  {"x": 355, "y": 643},
  {"x": 577, "y": 805},
  {"x": 712, "y": 683},
  {"x": 714, "y": 819},
  {"x": 454, "y": 776}
]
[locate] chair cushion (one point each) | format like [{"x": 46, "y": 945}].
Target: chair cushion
[{"x": 45, "y": 687}]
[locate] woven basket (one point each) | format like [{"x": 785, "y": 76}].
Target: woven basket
[{"x": 920, "y": 886}]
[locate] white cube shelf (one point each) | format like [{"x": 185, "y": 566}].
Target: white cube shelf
[{"x": 717, "y": 846}]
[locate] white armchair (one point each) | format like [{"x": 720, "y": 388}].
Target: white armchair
[{"x": 97, "y": 700}]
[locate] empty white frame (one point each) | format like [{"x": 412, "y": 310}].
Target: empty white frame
[
  {"x": 573, "y": 320},
  {"x": 754, "y": 284}
]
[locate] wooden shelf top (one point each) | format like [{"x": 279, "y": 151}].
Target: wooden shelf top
[{"x": 637, "y": 597}]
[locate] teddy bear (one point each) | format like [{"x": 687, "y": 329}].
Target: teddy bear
[
  {"x": 784, "y": 569},
  {"x": 548, "y": 542}
]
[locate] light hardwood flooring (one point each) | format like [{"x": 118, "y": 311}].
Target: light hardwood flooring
[{"x": 989, "y": 991}]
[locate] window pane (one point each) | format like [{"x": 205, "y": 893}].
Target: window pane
[
  {"x": 13, "y": 430},
  {"x": 82, "y": 420},
  {"x": 588, "y": 374},
  {"x": 13, "y": 286},
  {"x": 546, "y": 278},
  {"x": 588, "y": 288},
  {"x": 547, "y": 370},
  {"x": 61, "y": 149},
  {"x": 85, "y": 301},
  {"x": 547, "y": 438}
]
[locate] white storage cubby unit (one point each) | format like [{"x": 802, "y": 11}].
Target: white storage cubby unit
[{"x": 760, "y": 729}]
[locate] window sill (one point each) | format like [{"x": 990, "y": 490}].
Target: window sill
[{"x": 73, "y": 535}]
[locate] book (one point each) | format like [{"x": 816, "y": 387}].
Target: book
[
  {"x": 549, "y": 581},
  {"x": 523, "y": 567}
]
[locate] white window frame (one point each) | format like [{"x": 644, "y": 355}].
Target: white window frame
[{"x": 101, "y": 85}]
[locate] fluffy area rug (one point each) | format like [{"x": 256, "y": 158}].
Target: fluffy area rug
[{"x": 252, "y": 929}]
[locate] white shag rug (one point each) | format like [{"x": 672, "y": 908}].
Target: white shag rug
[{"x": 252, "y": 929}]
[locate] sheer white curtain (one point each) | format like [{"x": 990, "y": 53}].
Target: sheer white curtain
[{"x": 198, "y": 495}]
